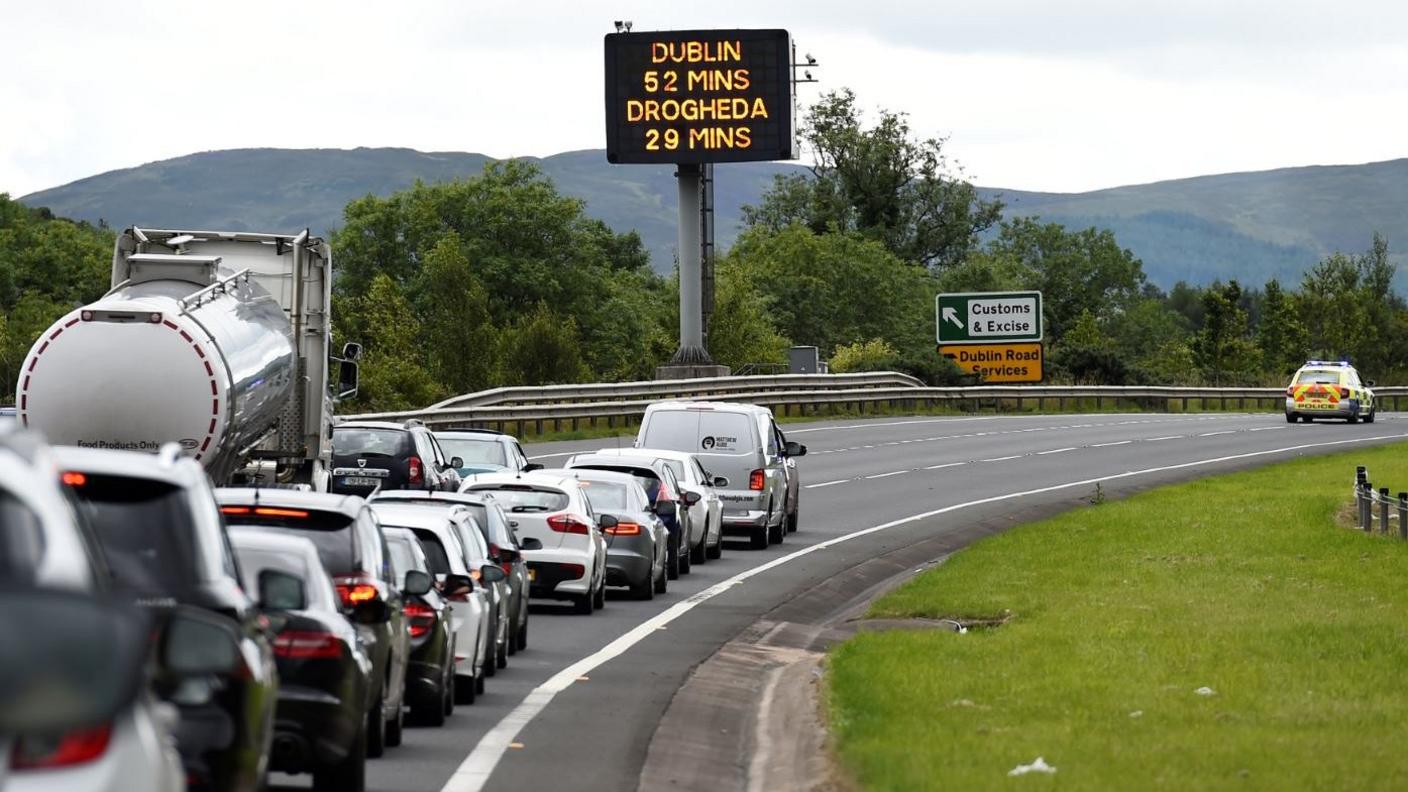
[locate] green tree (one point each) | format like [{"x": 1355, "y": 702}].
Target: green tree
[
  {"x": 543, "y": 349},
  {"x": 394, "y": 374},
  {"x": 880, "y": 181},
  {"x": 742, "y": 329},
  {"x": 453, "y": 308},
  {"x": 1280, "y": 335},
  {"x": 1223, "y": 347},
  {"x": 873, "y": 355}
]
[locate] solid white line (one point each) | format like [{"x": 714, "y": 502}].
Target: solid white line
[
  {"x": 1001, "y": 459},
  {"x": 1214, "y": 434},
  {"x": 1107, "y": 445},
  {"x": 824, "y": 484},
  {"x": 945, "y": 465},
  {"x": 473, "y": 773},
  {"x": 1055, "y": 451},
  {"x": 1168, "y": 437},
  {"x": 1266, "y": 428},
  {"x": 887, "y": 475}
]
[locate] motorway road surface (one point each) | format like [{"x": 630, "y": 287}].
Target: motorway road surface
[{"x": 600, "y": 684}]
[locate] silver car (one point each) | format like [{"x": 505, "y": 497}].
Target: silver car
[{"x": 741, "y": 443}]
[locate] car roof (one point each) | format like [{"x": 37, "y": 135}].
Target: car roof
[
  {"x": 272, "y": 539},
  {"x": 611, "y": 475},
  {"x": 427, "y": 496},
  {"x": 636, "y": 460},
  {"x": 412, "y": 515},
  {"x": 465, "y": 434},
  {"x": 551, "y": 478},
  {"x": 178, "y": 470},
  {"x": 373, "y": 425},
  {"x": 349, "y": 505},
  {"x": 656, "y": 453}
]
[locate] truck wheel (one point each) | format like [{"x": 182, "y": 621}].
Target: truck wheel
[{"x": 776, "y": 535}]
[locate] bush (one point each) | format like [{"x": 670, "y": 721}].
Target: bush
[{"x": 873, "y": 355}]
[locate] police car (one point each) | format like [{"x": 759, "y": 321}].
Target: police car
[{"x": 1329, "y": 389}]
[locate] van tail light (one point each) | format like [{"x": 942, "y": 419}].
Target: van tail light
[
  {"x": 71, "y": 748},
  {"x": 415, "y": 472},
  {"x": 419, "y": 618},
  {"x": 353, "y": 590},
  {"x": 307, "y": 645},
  {"x": 756, "y": 480},
  {"x": 569, "y": 523},
  {"x": 624, "y": 529}
]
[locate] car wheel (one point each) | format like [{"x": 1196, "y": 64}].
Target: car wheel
[
  {"x": 1290, "y": 417},
  {"x": 599, "y": 599},
  {"x": 464, "y": 691},
  {"x": 1370, "y": 417},
  {"x": 375, "y": 730},
  {"x": 696, "y": 553},
  {"x": 479, "y": 684},
  {"x": 513, "y": 636},
  {"x": 792, "y": 521},
  {"x": 685, "y": 554},
  {"x": 645, "y": 589},
  {"x": 349, "y": 775},
  {"x": 662, "y": 582},
  {"x": 672, "y": 559},
  {"x": 431, "y": 713},
  {"x": 449, "y": 698},
  {"x": 502, "y": 660},
  {"x": 1353, "y": 419},
  {"x": 394, "y": 730},
  {"x": 760, "y": 537},
  {"x": 1306, "y": 419},
  {"x": 522, "y": 637},
  {"x": 717, "y": 551},
  {"x": 582, "y": 604}
]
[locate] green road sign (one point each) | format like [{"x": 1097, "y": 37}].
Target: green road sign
[{"x": 988, "y": 317}]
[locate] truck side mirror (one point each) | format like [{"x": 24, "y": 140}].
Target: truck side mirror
[{"x": 347, "y": 377}]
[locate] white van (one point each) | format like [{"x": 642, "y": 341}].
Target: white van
[{"x": 741, "y": 443}]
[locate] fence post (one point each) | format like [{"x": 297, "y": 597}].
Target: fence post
[
  {"x": 1403, "y": 515},
  {"x": 1363, "y": 501},
  {"x": 1383, "y": 509}
]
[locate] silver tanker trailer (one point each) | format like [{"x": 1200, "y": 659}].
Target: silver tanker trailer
[{"x": 217, "y": 341}]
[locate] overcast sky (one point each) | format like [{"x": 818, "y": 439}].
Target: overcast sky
[{"x": 1033, "y": 94}]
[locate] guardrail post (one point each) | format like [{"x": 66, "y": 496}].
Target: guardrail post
[
  {"x": 1383, "y": 509},
  {"x": 1365, "y": 516},
  {"x": 1361, "y": 475},
  {"x": 1403, "y": 515}
]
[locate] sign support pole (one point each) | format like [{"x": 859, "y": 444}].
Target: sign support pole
[{"x": 691, "y": 359}]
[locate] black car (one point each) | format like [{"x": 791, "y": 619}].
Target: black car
[
  {"x": 324, "y": 673},
  {"x": 159, "y": 528},
  {"x": 430, "y": 674},
  {"x": 353, "y": 552},
  {"x": 378, "y": 455}
]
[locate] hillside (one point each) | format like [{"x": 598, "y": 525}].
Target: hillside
[{"x": 1246, "y": 225}]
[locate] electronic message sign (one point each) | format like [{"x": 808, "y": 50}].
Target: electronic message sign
[{"x": 697, "y": 96}]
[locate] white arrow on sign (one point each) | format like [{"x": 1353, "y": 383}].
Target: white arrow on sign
[{"x": 951, "y": 315}]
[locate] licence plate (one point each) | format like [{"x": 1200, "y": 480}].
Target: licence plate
[{"x": 359, "y": 481}]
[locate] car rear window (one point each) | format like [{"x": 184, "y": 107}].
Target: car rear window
[
  {"x": 648, "y": 479},
  {"x": 145, "y": 529},
  {"x": 391, "y": 443},
  {"x": 435, "y": 555},
  {"x": 254, "y": 559},
  {"x": 402, "y": 559},
  {"x": 520, "y": 498},
  {"x": 474, "y": 451},
  {"x": 1318, "y": 377},
  {"x": 330, "y": 532},
  {"x": 707, "y": 431},
  {"x": 605, "y": 495}
]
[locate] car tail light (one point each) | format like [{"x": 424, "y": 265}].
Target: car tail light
[
  {"x": 421, "y": 618},
  {"x": 755, "y": 480},
  {"x": 415, "y": 472},
  {"x": 625, "y": 529},
  {"x": 307, "y": 645},
  {"x": 76, "y": 747},
  {"x": 1291, "y": 391},
  {"x": 569, "y": 523},
  {"x": 74, "y": 479},
  {"x": 353, "y": 590},
  {"x": 1344, "y": 392}
]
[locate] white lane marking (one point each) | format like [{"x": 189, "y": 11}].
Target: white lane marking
[
  {"x": 1267, "y": 429},
  {"x": 825, "y": 484},
  {"x": 1055, "y": 451},
  {"x": 1002, "y": 459},
  {"x": 1166, "y": 437},
  {"x": 1116, "y": 443},
  {"x": 945, "y": 465},
  {"x": 563, "y": 454},
  {"x": 1214, "y": 434},
  {"x": 473, "y": 773},
  {"x": 896, "y": 423},
  {"x": 887, "y": 475}
]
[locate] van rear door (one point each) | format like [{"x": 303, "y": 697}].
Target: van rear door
[{"x": 726, "y": 443}]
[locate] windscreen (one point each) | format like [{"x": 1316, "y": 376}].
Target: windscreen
[
  {"x": 330, "y": 532},
  {"x": 474, "y": 451},
  {"x": 145, "y": 529},
  {"x": 606, "y": 495},
  {"x": 519, "y": 498},
  {"x": 390, "y": 443},
  {"x": 21, "y": 540},
  {"x": 706, "y": 431}
]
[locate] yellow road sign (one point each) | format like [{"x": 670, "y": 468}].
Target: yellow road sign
[{"x": 997, "y": 363}]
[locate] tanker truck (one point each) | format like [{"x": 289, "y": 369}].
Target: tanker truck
[{"x": 217, "y": 341}]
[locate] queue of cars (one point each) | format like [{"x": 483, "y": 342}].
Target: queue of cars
[{"x": 293, "y": 630}]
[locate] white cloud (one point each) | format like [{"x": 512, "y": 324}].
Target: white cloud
[{"x": 1034, "y": 94}]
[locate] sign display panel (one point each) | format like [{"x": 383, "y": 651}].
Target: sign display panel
[
  {"x": 697, "y": 96},
  {"x": 988, "y": 317},
  {"x": 997, "y": 363}
]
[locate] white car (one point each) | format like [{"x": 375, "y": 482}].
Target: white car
[
  {"x": 550, "y": 506},
  {"x": 469, "y": 607},
  {"x": 42, "y": 547},
  {"x": 692, "y": 477}
]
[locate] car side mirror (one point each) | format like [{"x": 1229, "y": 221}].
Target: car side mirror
[
  {"x": 456, "y": 585},
  {"x": 281, "y": 591},
  {"x": 197, "y": 642},
  {"x": 70, "y": 659},
  {"x": 606, "y": 521},
  {"x": 372, "y": 611},
  {"x": 691, "y": 498},
  {"x": 721, "y": 482},
  {"x": 664, "y": 508},
  {"x": 1370, "y": 383},
  {"x": 532, "y": 466},
  {"x": 492, "y": 573},
  {"x": 530, "y": 544},
  {"x": 417, "y": 583},
  {"x": 795, "y": 449},
  {"x": 456, "y": 463}
]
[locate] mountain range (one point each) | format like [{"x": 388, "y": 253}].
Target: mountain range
[{"x": 1250, "y": 226}]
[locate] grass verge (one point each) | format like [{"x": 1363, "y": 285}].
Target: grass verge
[{"x": 1248, "y": 585}]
